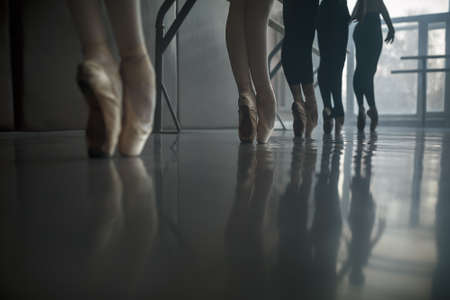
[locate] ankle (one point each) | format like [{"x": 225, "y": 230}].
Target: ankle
[
  {"x": 99, "y": 53},
  {"x": 246, "y": 94},
  {"x": 133, "y": 54},
  {"x": 137, "y": 68},
  {"x": 299, "y": 102}
]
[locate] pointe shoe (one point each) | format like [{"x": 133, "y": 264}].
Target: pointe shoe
[
  {"x": 373, "y": 115},
  {"x": 137, "y": 124},
  {"x": 311, "y": 116},
  {"x": 248, "y": 119},
  {"x": 339, "y": 124},
  {"x": 266, "y": 121},
  {"x": 361, "y": 120},
  {"x": 103, "y": 93},
  {"x": 299, "y": 116},
  {"x": 327, "y": 120}
]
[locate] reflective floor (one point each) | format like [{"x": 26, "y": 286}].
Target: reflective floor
[{"x": 200, "y": 216}]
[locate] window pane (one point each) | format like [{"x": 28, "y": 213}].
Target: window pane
[
  {"x": 436, "y": 81},
  {"x": 401, "y": 8},
  {"x": 397, "y": 93}
]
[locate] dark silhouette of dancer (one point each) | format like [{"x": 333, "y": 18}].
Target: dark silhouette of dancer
[
  {"x": 244, "y": 234},
  {"x": 332, "y": 30},
  {"x": 295, "y": 249},
  {"x": 308, "y": 256},
  {"x": 440, "y": 287},
  {"x": 362, "y": 215},
  {"x": 299, "y": 23},
  {"x": 369, "y": 42}
]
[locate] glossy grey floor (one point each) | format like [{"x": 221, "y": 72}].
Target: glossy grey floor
[{"x": 200, "y": 216}]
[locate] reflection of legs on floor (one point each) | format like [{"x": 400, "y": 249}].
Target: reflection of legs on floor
[
  {"x": 246, "y": 232},
  {"x": 110, "y": 206},
  {"x": 127, "y": 235},
  {"x": 440, "y": 287},
  {"x": 295, "y": 253},
  {"x": 137, "y": 75},
  {"x": 327, "y": 224},
  {"x": 263, "y": 186}
]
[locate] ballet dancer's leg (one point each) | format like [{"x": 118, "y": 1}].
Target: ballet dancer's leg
[
  {"x": 359, "y": 85},
  {"x": 137, "y": 75},
  {"x": 292, "y": 61},
  {"x": 237, "y": 52},
  {"x": 98, "y": 78},
  {"x": 256, "y": 21}
]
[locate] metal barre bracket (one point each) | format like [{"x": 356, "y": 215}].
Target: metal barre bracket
[{"x": 161, "y": 44}]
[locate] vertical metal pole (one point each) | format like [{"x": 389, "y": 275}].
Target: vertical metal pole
[
  {"x": 158, "y": 125},
  {"x": 447, "y": 76},
  {"x": 350, "y": 72},
  {"x": 414, "y": 212},
  {"x": 178, "y": 68},
  {"x": 422, "y": 79}
]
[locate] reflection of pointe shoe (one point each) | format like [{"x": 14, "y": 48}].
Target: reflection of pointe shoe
[
  {"x": 361, "y": 120},
  {"x": 265, "y": 160},
  {"x": 139, "y": 195},
  {"x": 138, "y": 117},
  {"x": 103, "y": 94},
  {"x": 299, "y": 116},
  {"x": 339, "y": 124},
  {"x": 109, "y": 204},
  {"x": 246, "y": 170},
  {"x": 136, "y": 178},
  {"x": 266, "y": 121},
  {"x": 373, "y": 115},
  {"x": 248, "y": 118},
  {"x": 327, "y": 120},
  {"x": 311, "y": 116}
]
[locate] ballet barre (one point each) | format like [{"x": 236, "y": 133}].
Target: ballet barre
[
  {"x": 161, "y": 44},
  {"x": 423, "y": 58}
]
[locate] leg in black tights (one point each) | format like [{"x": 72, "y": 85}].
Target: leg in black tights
[
  {"x": 299, "y": 21},
  {"x": 333, "y": 38},
  {"x": 296, "y": 57},
  {"x": 368, "y": 41}
]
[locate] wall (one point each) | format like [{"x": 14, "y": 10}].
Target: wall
[
  {"x": 51, "y": 99},
  {"x": 208, "y": 96},
  {"x": 196, "y": 67},
  {"x": 6, "y": 103}
]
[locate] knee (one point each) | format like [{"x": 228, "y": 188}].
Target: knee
[{"x": 357, "y": 85}]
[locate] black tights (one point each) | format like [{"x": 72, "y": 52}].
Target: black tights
[
  {"x": 333, "y": 39},
  {"x": 296, "y": 57},
  {"x": 369, "y": 41}
]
